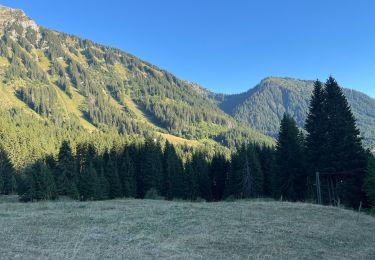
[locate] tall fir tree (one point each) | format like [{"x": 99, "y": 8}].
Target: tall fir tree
[
  {"x": 38, "y": 183},
  {"x": 369, "y": 186},
  {"x": 219, "y": 168},
  {"x": 150, "y": 167},
  {"x": 246, "y": 178},
  {"x": 172, "y": 176},
  {"x": 190, "y": 182},
  {"x": 66, "y": 172},
  {"x": 111, "y": 172},
  {"x": 345, "y": 157},
  {"x": 290, "y": 177},
  {"x": 200, "y": 169},
  {"x": 89, "y": 183},
  {"x": 316, "y": 128},
  {"x": 127, "y": 174},
  {"x": 7, "y": 174},
  {"x": 267, "y": 162}
]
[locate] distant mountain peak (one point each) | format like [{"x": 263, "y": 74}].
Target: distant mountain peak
[{"x": 10, "y": 16}]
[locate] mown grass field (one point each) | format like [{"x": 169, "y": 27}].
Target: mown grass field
[{"x": 145, "y": 229}]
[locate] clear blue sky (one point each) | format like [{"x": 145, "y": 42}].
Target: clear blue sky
[{"x": 228, "y": 46}]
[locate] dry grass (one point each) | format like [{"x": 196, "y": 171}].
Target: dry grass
[{"x": 135, "y": 229}]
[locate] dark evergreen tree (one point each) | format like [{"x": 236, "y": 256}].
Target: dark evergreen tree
[
  {"x": 66, "y": 172},
  {"x": 267, "y": 162},
  {"x": 290, "y": 178},
  {"x": 172, "y": 176},
  {"x": 127, "y": 174},
  {"x": 246, "y": 178},
  {"x": 369, "y": 186},
  {"x": 346, "y": 159},
  {"x": 7, "y": 174},
  {"x": 103, "y": 185},
  {"x": 200, "y": 172},
  {"x": 316, "y": 139},
  {"x": 111, "y": 172},
  {"x": 150, "y": 167},
  {"x": 38, "y": 183},
  {"x": 219, "y": 168},
  {"x": 234, "y": 185},
  {"x": 191, "y": 190},
  {"x": 89, "y": 183}
]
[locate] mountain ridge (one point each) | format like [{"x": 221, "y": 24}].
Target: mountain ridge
[
  {"x": 263, "y": 106},
  {"x": 75, "y": 83}
]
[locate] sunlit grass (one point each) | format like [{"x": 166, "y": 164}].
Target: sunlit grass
[{"x": 144, "y": 229}]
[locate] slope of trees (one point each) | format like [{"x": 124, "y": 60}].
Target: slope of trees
[
  {"x": 264, "y": 106},
  {"x": 100, "y": 85},
  {"x": 100, "y": 82}
]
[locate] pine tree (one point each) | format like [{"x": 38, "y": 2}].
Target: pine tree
[
  {"x": 345, "y": 158},
  {"x": 201, "y": 178},
  {"x": 66, "y": 172},
  {"x": 1, "y": 184},
  {"x": 290, "y": 178},
  {"x": 89, "y": 183},
  {"x": 7, "y": 173},
  {"x": 111, "y": 173},
  {"x": 128, "y": 175},
  {"x": 150, "y": 167},
  {"x": 219, "y": 168},
  {"x": 316, "y": 127},
  {"x": 103, "y": 185},
  {"x": 267, "y": 162},
  {"x": 254, "y": 179},
  {"x": 49, "y": 186},
  {"x": 172, "y": 177},
  {"x": 369, "y": 185},
  {"x": 235, "y": 181},
  {"x": 246, "y": 178},
  {"x": 190, "y": 182},
  {"x": 38, "y": 183}
]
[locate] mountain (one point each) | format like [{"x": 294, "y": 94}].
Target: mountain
[
  {"x": 55, "y": 86},
  {"x": 263, "y": 106}
]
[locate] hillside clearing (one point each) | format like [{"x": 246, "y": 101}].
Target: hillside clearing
[{"x": 144, "y": 229}]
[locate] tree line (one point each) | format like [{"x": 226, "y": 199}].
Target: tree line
[{"x": 330, "y": 144}]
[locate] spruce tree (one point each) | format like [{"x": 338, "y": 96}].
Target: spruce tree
[
  {"x": 253, "y": 177},
  {"x": 7, "y": 174},
  {"x": 245, "y": 178},
  {"x": 103, "y": 185},
  {"x": 89, "y": 183},
  {"x": 345, "y": 158},
  {"x": 190, "y": 182},
  {"x": 369, "y": 186},
  {"x": 172, "y": 177},
  {"x": 235, "y": 181},
  {"x": 267, "y": 162},
  {"x": 201, "y": 178},
  {"x": 128, "y": 175},
  {"x": 111, "y": 172},
  {"x": 290, "y": 178},
  {"x": 150, "y": 167},
  {"x": 66, "y": 172},
  {"x": 1, "y": 184},
  {"x": 38, "y": 183},
  {"x": 316, "y": 139},
  {"x": 219, "y": 168}
]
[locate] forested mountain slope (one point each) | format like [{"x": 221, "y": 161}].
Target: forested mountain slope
[
  {"x": 70, "y": 83},
  {"x": 263, "y": 106}
]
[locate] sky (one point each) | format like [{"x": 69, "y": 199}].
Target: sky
[{"x": 228, "y": 46}]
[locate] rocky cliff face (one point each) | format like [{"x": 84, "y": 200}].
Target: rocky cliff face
[{"x": 14, "y": 19}]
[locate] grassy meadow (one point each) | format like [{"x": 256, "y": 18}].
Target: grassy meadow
[{"x": 149, "y": 229}]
